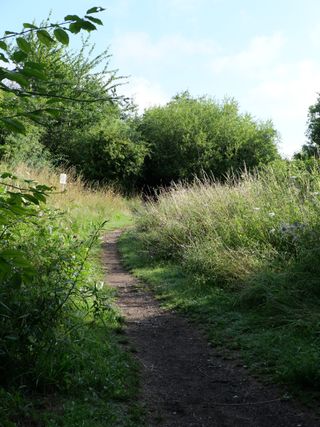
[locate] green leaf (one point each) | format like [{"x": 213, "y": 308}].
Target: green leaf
[
  {"x": 72, "y": 18},
  {"x": 18, "y": 56},
  {"x": 95, "y": 20},
  {"x": 18, "y": 257},
  {"x": 36, "y": 65},
  {"x": 39, "y": 196},
  {"x": 3, "y": 58},
  {"x": 34, "y": 117},
  {"x": 61, "y": 36},
  {"x": 14, "y": 125},
  {"x": 27, "y": 25},
  {"x": 55, "y": 112},
  {"x": 87, "y": 25},
  {"x": 75, "y": 27},
  {"x": 23, "y": 44},
  {"x": 45, "y": 38},
  {"x": 6, "y": 175},
  {"x": 3, "y": 45},
  {"x": 17, "y": 77},
  {"x": 95, "y": 10},
  {"x": 9, "y": 33},
  {"x": 34, "y": 73},
  {"x": 31, "y": 198}
]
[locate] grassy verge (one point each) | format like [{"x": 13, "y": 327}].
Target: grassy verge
[
  {"x": 83, "y": 377},
  {"x": 240, "y": 260}
]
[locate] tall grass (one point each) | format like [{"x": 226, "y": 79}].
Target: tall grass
[
  {"x": 84, "y": 204},
  {"x": 229, "y": 231},
  {"x": 252, "y": 245}
]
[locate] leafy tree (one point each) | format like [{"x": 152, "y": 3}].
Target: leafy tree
[
  {"x": 312, "y": 148},
  {"x": 28, "y": 81},
  {"x": 189, "y": 136},
  {"x": 101, "y": 142}
]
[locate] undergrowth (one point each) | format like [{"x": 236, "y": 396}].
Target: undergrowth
[
  {"x": 243, "y": 259},
  {"x": 61, "y": 362}
]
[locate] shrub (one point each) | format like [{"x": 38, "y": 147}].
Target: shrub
[
  {"x": 42, "y": 265},
  {"x": 191, "y": 136}
]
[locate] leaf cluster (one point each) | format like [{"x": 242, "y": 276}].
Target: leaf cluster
[{"x": 22, "y": 77}]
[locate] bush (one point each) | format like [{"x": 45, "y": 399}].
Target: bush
[
  {"x": 191, "y": 136},
  {"x": 42, "y": 265}
]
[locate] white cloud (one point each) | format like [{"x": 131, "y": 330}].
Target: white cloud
[
  {"x": 285, "y": 96},
  {"x": 273, "y": 87},
  {"x": 140, "y": 46},
  {"x": 145, "y": 93},
  {"x": 261, "y": 52}
]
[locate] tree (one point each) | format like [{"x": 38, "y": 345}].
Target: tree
[
  {"x": 189, "y": 136},
  {"x": 312, "y": 148},
  {"x": 29, "y": 80}
]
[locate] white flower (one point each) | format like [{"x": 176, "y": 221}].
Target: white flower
[
  {"x": 100, "y": 285},
  {"x": 256, "y": 209},
  {"x": 273, "y": 230},
  {"x": 271, "y": 214}
]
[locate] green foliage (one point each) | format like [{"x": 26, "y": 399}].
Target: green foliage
[
  {"x": 56, "y": 319},
  {"x": 191, "y": 136},
  {"x": 313, "y": 131},
  {"x": 109, "y": 152},
  {"x": 99, "y": 142},
  {"x": 248, "y": 254},
  {"x": 25, "y": 78},
  {"x": 311, "y": 149},
  {"x": 40, "y": 266}
]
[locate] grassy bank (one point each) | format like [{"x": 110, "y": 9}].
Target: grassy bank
[
  {"x": 243, "y": 260},
  {"x": 72, "y": 372}
]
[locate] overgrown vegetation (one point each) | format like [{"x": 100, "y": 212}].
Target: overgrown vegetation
[
  {"x": 58, "y": 323},
  {"x": 239, "y": 254},
  {"x": 60, "y": 362},
  {"x": 242, "y": 257}
]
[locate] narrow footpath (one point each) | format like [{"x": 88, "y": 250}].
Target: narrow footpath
[{"x": 184, "y": 381}]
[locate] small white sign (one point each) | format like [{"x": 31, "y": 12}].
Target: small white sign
[{"x": 63, "y": 178}]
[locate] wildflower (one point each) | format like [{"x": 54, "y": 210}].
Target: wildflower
[
  {"x": 256, "y": 209},
  {"x": 271, "y": 214},
  {"x": 273, "y": 230}
]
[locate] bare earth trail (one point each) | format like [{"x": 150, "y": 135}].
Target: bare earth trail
[{"x": 184, "y": 381}]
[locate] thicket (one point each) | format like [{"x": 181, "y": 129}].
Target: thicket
[
  {"x": 191, "y": 137},
  {"x": 251, "y": 248}
]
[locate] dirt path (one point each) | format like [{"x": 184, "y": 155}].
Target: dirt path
[{"x": 184, "y": 381}]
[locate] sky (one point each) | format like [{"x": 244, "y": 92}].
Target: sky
[{"x": 264, "y": 54}]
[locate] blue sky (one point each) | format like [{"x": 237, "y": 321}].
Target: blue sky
[{"x": 265, "y": 54}]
